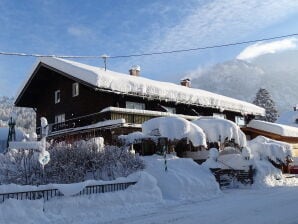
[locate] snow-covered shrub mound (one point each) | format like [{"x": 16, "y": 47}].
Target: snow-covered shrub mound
[
  {"x": 218, "y": 129},
  {"x": 267, "y": 174},
  {"x": 175, "y": 128},
  {"x": 183, "y": 180},
  {"x": 265, "y": 148}
]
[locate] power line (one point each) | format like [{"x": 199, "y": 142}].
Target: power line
[{"x": 147, "y": 54}]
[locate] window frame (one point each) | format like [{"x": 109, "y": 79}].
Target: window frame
[
  {"x": 57, "y": 96},
  {"x": 135, "y": 105},
  {"x": 59, "y": 118},
  {"x": 238, "y": 118},
  {"x": 75, "y": 89},
  {"x": 218, "y": 115}
]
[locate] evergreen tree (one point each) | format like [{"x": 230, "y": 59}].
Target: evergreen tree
[{"x": 263, "y": 99}]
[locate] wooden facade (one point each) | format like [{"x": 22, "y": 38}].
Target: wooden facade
[{"x": 85, "y": 108}]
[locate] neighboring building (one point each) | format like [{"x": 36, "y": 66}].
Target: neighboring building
[
  {"x": 81, "y": 100},
  {"x": 289, "y": 117}
]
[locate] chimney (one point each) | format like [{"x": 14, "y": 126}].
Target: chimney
[
  {"x": 135, "y": 70},
  {"x": 185, "y": 82}
]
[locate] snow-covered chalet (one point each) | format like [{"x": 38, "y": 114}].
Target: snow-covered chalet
[{"x": 80, "y": 100}]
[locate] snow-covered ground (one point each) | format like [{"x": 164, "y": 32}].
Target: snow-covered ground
[{"x": 186, "y": 193}]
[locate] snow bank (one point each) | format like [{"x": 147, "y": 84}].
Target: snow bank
[
  {"x": 175, "y": 128},
  {"x": 264, "y": 148},
  {"x": 184, "y": 179},
  {"x": 219, "y": 129},
  {"x": 97, "y": 207},
  {"x": 275, "y": 128}
]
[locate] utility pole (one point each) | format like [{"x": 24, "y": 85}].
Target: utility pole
[{"x": 104, "y": 57}]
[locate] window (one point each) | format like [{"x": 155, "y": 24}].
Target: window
[
  {"x": 171, "y": 110},
  {"x": 57, "y": 96},
  {"x": 60, "y": 118},
  {"x": 75, "y": 89},
  {"x": 135, "y": 105},
  {"x": 219, "y": 115},
  {"x": 239, "y": 120}
]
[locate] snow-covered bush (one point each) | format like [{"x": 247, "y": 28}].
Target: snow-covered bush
[
  {"x": 269, "y": 149},
  {"x": 175, "y": 128},
  {"x": 221, "y": 130},
  {"x": 69, "y": 163}
]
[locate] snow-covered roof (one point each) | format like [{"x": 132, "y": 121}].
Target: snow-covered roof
[
  {"x": 288, "y": 118},
  {"x": 279, "y": 129},
  {"x": 126, "y": 84}
]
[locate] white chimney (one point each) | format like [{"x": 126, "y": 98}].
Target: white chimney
[{"x": 135, "y": 70}]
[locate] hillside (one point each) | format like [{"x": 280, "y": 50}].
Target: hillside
[
  {"x": 25, "y": 116},
  {"x": 241, "y": 79}
]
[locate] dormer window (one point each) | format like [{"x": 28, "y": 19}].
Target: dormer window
[
  {"x": 57, "y": 96},
  {"x": 75, "y": 89}
]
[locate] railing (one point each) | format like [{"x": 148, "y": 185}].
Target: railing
[
  {"x": 225, "y": 176},
  {"x": 50, "y": 193},
  {"x": 76, "y": 122}
]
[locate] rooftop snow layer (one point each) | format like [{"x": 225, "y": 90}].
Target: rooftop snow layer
[
  {"x": 127, "y": 84},
  {"x": 279, "y": 129}
]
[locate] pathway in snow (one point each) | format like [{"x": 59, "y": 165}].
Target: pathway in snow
[{"x": 273, "y": 205}]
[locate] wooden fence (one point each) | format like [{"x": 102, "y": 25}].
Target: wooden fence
[{"x": 50, "y": 193}]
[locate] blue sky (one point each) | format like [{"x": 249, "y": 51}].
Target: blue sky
[{"x": 121, "y": 27}]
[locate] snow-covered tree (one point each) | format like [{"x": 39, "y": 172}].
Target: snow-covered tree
[{"x": 263, "y": 99}]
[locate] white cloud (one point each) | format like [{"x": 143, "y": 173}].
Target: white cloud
[
  {"x": 262, "y": 48},
  {"x": 79, "y": 31},
  {"x": 213, "y": 22}
]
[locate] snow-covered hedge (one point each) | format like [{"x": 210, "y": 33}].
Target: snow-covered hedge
[
  {"x": 220, "y": 130},
  {"x": 175, "y": 128},
  {"x": 265, "y": 148},
  {"x": 69, "y": 163}
]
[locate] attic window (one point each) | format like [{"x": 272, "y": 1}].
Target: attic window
[
  {"x": 75, "y": 89},
  {"x": 57, "y": 96}
]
